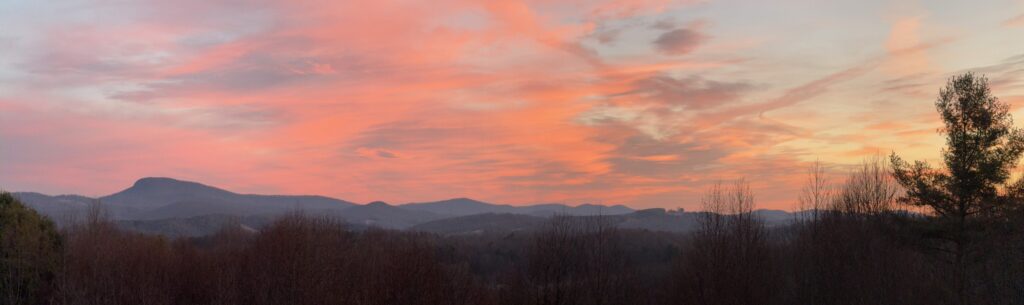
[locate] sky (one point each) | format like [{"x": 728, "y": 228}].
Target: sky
[{"x": 635, "y": 102}]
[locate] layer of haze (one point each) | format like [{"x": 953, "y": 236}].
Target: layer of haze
[{"x": 641, "y": 103}]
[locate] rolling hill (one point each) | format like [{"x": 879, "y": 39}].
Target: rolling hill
[{"x": 184, "y": 208}]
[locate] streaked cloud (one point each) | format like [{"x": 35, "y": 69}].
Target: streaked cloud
[
  {"x": 1015, "y": 21},
  {"x": 635, "y": 102}
]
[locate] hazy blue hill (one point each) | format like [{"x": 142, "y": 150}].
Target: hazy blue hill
[
  {"x": 194, "y": 226},
  {"x": 158, "y": 192},
  {"x": 652, "y": 220},
  {"x": 301, "y": 202},
  {"x": 775, "y": 216},
  {"x": 60, "y": 202},
  {"x": 459, "y": 207},
  {"x": 384, "y": 215},
  {"x": 466, "y": 207},
  {"x": 183, "y": 208},
  {"x": 660, "y": 220},
  {"x": 550, "y": 209},
  {"x": 200, "y": 207},
  {"x": 58, "y": 208},
  {"x": 481, "y": 223},
  {"x": 593, "y": 209},
  {"x": 154, "y": 198}
]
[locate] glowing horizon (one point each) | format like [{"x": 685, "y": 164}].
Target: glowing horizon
[{"x": 641, "y": 103}]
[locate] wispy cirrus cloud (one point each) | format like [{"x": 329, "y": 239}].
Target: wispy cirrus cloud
[
  {"x": 1015, "y": 21},
  {"x": 510, "y": 101}
]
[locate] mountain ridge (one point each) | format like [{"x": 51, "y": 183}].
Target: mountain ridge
[
  {"x": 163, "y": 198},
  {"x": 185, "y": 208}
]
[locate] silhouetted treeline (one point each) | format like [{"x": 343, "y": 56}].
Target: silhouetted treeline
[{"x": 855, "y": 249}]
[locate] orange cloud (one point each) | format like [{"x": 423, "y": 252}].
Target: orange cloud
[
  {"x": 1015, "y": 21},
  {"x": 505, "y": 101},
  {"x": 903, "y": 43}
]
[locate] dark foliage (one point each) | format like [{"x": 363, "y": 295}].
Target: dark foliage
[
  {"x": 968, "y": 203},
  {"x": 29, "y": 253},
  {"x": 834, "y": 256}
]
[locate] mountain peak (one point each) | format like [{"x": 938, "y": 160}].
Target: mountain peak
[
  {"x": 151, "y": 193},
  {"x": 378, "y": 204},
  {"x": 148, "y": 182},
  {"x": 171, "y": 185},
  {"x": 154, "y": 192},
  {"x": 464, "y": 200}
]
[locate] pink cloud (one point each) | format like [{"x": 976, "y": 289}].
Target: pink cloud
[
  {"x": 904, "y": 46},
  {"x": 505, "y": 101},
  {"x": 1015, "y": 21}
]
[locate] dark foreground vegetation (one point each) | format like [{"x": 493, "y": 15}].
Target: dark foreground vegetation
[{"x": 890, "y": 232}]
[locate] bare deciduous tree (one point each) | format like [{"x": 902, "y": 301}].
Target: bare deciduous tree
[{"x": 730, "y": 259}]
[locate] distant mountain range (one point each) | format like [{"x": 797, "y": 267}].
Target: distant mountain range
[
  {"x": 183, "y": 208},
  {"x": 466, "y": 206}
]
